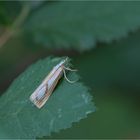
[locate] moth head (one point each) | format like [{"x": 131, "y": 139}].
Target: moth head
[{"x": 66, "y": 62}]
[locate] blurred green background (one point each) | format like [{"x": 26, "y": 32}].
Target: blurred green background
[{"x": 110, "y": 68}]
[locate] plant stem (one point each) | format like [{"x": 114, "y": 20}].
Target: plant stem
[{"x": 11, "y": 31}]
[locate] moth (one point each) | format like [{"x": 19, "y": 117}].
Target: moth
[{"x": 40, "y": 96}]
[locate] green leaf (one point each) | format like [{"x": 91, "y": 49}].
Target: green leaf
[
  {"x": 117, "y": 118},
  {"x": 19, "y": 118},
  {"x": 32, "y": 4},
  {"x": 113, "y": 65},
  {"x": 79, "y": 25}
]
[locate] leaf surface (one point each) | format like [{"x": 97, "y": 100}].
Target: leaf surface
[
  {"x": 79, "y": 25},
  {"x": 69, "y": 103}
]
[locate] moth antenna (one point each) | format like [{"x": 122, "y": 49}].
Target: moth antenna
[
  {"x": 67, "y": 78},
  {"x": 70, "y": 69}
]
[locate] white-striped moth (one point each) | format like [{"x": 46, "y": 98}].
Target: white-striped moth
[{"x": 45, "y": 89}]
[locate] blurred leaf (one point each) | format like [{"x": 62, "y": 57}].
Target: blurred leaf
[
  {"x": 33, "y": 4},
  {"x": 19, "y": 118},
  {"x": 81, "y": 24},
  {"x": 116, "y": 64}
]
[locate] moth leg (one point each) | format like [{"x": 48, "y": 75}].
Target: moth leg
[
  {"x": 67, "y": 78},
  {"x": 67, "y": 68}
]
